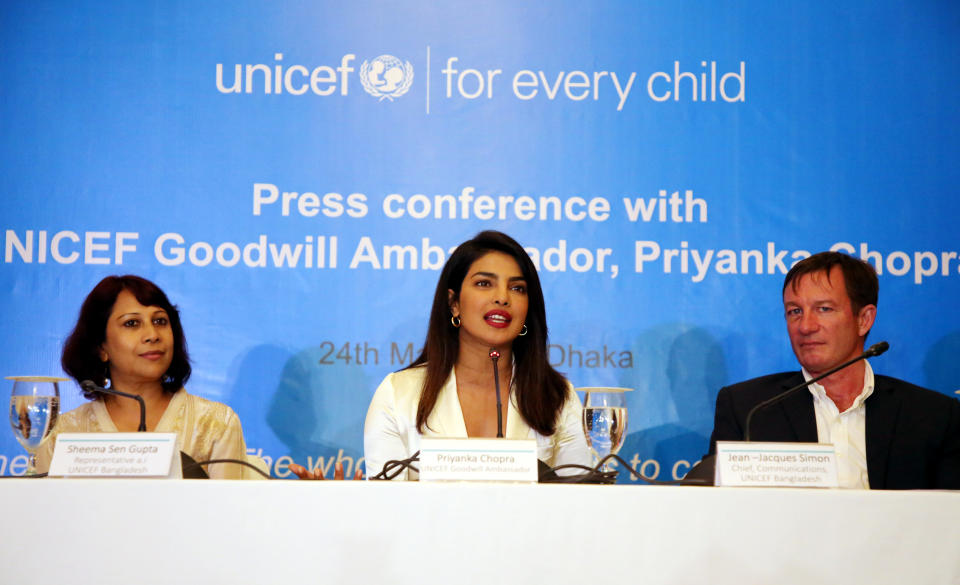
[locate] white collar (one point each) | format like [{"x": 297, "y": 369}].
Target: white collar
[{"x": 820, "y": 393}]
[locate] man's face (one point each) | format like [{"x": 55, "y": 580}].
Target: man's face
[{"x": 823, "y": 329}]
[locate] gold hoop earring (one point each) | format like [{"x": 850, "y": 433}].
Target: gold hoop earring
[
  {"x": 455, "y": 321},
  {"x": 523, "y": 330}
]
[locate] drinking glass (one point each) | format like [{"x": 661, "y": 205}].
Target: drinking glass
[
  {"x": 604, "y": 420},
  {"x": 34, "y": 408}
]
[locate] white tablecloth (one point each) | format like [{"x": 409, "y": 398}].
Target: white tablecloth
[{"x": 166, "y": 531}]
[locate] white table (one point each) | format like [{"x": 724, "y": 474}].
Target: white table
[{"x": 166, "y": 531}]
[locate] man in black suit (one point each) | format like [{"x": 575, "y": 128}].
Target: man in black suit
[{"x": 888, "y": 434}]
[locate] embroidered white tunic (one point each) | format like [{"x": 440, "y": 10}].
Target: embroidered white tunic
[{"x": 206, "y": 429}]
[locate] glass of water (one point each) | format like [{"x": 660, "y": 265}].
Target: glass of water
[
  {"x": 604, "y": 420},
  {"x": 34, "y": 408}
]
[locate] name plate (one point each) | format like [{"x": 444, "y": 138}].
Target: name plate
[
  {"x": 116, "y": 455},
  {"x": 776, "y": 464},
  {"x": 478, "y": 460}
]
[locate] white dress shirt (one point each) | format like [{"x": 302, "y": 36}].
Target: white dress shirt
[{"x": 845, "y": 430}]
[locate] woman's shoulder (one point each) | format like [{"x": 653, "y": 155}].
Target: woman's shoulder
[
  {"x": 209, "y": 410},
  {"x": 82, "y": 419},
  {"x": 402, "y": 386},
  {"x": 572, "y": 399},
  {"x": 405, "y": 379}
]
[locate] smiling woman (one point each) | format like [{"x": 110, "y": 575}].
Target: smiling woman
[{"x": 129, "y": 335}]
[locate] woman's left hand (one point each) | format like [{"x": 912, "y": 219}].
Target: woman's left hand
[{"x": 304, "y": 473}]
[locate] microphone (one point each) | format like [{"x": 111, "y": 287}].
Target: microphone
[
  {"x": 703, "y": 472},
  {"x": 495, "y": 356},
  {"x": 545, "y": 473},
  {"x": 393, "y": 468},
  {"x": 89, "y": 386},
  {"x": 188, "y": 465},
  {"x": 874, "y": 350}
]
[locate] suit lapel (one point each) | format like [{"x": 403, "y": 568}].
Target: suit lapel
[
  {"x": 446, "y": 420},
  {"x": 516, "y": 427},
  {"x": 883, "y": 408},
  {"x": 798, "y": 408}
]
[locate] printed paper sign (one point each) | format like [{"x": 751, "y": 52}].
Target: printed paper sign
[
  {"x": 742, "y": 463},
  {"x": 478, "y": 460},
  {"x": 116, "y": 455}
]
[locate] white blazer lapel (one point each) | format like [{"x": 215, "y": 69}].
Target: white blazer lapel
[
  {"x": 516, "y": 427},
  {"x": 446, "y": 420}
]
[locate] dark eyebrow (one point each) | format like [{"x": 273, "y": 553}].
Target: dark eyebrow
[
  {"x": 492, "y": 275},
  {"x": 137, "y": 314}
]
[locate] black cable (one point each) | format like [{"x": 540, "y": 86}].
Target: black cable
[
  {"x": 196, "y": 464},
  {"x": 397, "y": 467},
  {"x": 393, "y": 468},
  {"x": 592, "y": 475}
]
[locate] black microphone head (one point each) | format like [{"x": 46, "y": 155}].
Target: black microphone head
[
  {"x": 878, "y": 348},
  {"x": 88, "y": 386},
  {"x": 494, "y": 354}
]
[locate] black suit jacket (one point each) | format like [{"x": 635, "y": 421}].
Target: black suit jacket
[{"x": 912, "y": 434}]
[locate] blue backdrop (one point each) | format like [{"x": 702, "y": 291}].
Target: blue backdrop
[{"x": 294, "y": 173}]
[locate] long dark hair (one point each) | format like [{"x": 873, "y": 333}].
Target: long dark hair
[
  {"x": 540, "y": 390},
  {"x": 81, "y": 351}
]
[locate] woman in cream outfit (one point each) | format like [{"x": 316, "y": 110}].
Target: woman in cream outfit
[{"x": 129, "y": 333}]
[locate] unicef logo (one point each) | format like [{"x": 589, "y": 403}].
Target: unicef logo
[{"x": 386, "y": 77}]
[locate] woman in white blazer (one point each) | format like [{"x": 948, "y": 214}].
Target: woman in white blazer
[{"x": 488, "y": 298}]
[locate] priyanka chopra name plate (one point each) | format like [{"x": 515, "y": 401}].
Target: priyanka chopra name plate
[
  {"x": 478, "y": 460},
  {"x": 116, "y": 455},
  {"x": 741, "y": 463}
]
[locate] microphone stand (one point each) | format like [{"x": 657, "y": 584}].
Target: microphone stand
[
  {"x": 874, "y": 350},
  {"x": 89, "y": 386},
  {"x": 703, "y": 472},
  {"x": 495, "y": 357},
  {"x": 189, "y": 466}
]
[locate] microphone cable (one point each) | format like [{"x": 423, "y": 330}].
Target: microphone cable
[
  {"x": 394, "y": 467},
  {"x": 200, "y": 464},
  {"x": 873, "y": 351},
  {"x": 595, "y": 475}
]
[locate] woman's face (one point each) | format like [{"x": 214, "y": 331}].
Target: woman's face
[
  {"x": 493, "y": 301},
  {"x": 139, "y": 341}
]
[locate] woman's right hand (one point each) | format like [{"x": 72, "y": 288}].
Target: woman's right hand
[{"x": 304, "y": 473}]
